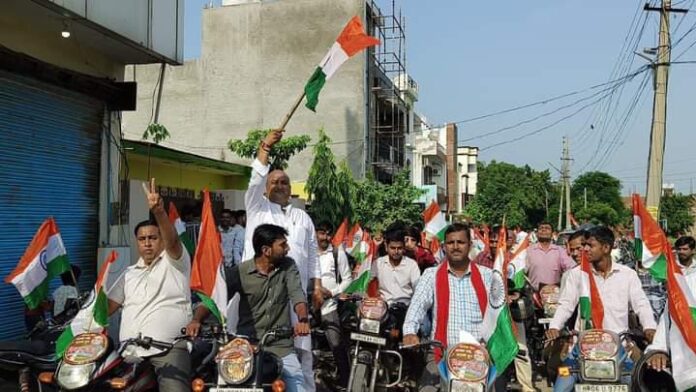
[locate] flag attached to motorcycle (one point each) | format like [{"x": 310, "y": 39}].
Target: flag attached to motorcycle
[
  {"x": 363, "y": 252},
  {"x": 497, "y": 321},
  {"x": 648, "y": 240},
  {"x": 207, "y": 276},
  {"x": 44, "y": 259},
  {"x": 92, "y": 317}
]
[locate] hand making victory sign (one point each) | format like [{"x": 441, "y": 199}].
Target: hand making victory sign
[{"x": 169, "y": 236}]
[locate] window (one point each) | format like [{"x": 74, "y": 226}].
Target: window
[
  {"x": 471, "y": 168},
  {"x": 428, "y": 176}
]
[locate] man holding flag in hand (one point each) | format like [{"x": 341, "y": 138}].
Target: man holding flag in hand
[{"x": 154, "y": 294}]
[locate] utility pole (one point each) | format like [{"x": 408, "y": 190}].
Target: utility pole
[
  {"x": 585, "y": 196},
  {"x": 565, "y": 175},
  {"x": 560, "y": 207},
  {"x": 658, "y": 128}
]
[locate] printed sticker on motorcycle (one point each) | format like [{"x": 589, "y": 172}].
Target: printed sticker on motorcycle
[
  {"x": 86, "y": 348},
  {"x": 598, "y": 344},
  {"x": 468, "y": 362}
]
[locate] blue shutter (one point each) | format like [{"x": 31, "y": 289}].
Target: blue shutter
[{"x": 49, "y": 166}]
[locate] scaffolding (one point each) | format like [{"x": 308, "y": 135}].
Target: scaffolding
[{"x": 388, "y": 116}]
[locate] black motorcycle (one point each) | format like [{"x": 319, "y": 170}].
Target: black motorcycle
[{"x": 25, "y": 360}]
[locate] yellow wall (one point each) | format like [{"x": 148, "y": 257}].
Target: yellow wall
[
  {"x": 178, "y": 175},
  {"x": 297, "y": 188}
]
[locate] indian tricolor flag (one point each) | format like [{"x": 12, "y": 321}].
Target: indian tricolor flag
[
  {"x": 497, "y": 321},
  {"x": 435, "y": 222},
  {"x": 91, "y": 318},
  {"x": 682, "y": 327},
  {"x": 207, "y": 276},
  {"x": 340, "y": 235},
  {"x": 591, "y": 307},
  {"x": 180, "y": 227},
  {"x": 363, "y": 251},
  {"x": 517, "y": 265},
  {"x": 648, "y": 240},
  {"x": 353, "y": 237},
  {"x": 44, "y": 259},
  {"x": 352, "y": 40}
]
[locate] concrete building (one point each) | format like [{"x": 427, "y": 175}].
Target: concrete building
[
  {"x": 62, "y": 92},
  {"x": 256, "y": 57},
  {"x": 428, "y": 160},
  {"x": 467, "y": 158}
]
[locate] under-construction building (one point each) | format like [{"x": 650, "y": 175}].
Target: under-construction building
[{"x": 256, "y": 57}]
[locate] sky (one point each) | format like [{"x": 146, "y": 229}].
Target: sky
[{"x": 475, "y": 58}]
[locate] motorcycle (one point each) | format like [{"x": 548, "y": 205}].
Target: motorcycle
[
  {"x": 545, "y": 302},
  {"x": 601, "y": 361},
  {"x": 374, "y": 365},
  {"x": 325, "y": 368},
  {"x": 646, "y": 379},
  {"x": 91, "y": 363},
  {"x": 237, "y": 366},
  {"x": 36, "y": 353}
]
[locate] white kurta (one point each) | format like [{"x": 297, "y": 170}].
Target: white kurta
[{"x": 301, "y": 235}]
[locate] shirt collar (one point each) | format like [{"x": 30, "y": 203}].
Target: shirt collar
[{"x": 141, "y": 263}]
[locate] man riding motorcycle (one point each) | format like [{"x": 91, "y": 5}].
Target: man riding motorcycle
[
  {"x": 618, "y": 288},
  {"x": 461, "y": 312}
]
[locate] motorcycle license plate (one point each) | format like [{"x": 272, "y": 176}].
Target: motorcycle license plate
[
  {"x": 600, "y": 388},
  {"x": 236, "y": 389},
  {"x": 368, "y": 338}
]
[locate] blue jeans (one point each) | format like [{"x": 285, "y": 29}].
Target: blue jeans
[
  {"x": 567, "y": 383},
  {"x": 292, "y": 373}
]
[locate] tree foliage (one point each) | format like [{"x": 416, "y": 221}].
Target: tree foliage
[
  {"x": 675, "y": 209},
  {"x": 157, "y": 132},
  {"x": 604, "y": 203},
  {"x": 281, "y": 152},
  {"x": 329, "y": 189},
  {"x": 514, "y": 192}
]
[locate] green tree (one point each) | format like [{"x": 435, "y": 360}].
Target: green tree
[
  {"x": 675, "y": 209},
  {"x": 329, "y": 190},
  {"x": 281, "y": 153},
  {"x": 514, "y": 192},
  {"x": 377, "y": 205},
  {"x": 604, "y": 202}
]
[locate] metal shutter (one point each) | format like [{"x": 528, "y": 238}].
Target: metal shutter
[{"x": 49, "y": 166}]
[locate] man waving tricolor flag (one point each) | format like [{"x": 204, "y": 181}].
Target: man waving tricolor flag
[
  {"x": 44, "y": 259},
  {"x": 352, "y": 40}
]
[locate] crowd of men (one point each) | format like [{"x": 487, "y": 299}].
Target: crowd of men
[{"x": 276, "y": 254}]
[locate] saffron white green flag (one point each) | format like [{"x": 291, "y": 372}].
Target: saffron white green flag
[
  {"x": 435, "y": 222},
  {"x": 207, "y": 276},
  {"x": 180, "y": 227},
  {"x": 648, "y": 242},
  {"x": 497, "y": 321},
  {"x": 352, "y": 40},
  {"x": 363, "y": 251},
  {"x": 44, "y": 259},
  {"x": 94, "y": 316},
  {"x": 517, "y": 267}
]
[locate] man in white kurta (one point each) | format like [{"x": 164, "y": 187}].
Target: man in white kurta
[{"x": 268, "y": 201}]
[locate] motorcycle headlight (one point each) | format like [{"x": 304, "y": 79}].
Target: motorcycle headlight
[
  {"x": 236, "y": 361},
  {"x": 373, "y": 309},
  {"x": 599, "y": 370},
  {"x": 371, "y": 326},
  {"x": 86, "y": 348},
  {"x": 462, "y": 386},
  {"x": 72, "y": 377}
]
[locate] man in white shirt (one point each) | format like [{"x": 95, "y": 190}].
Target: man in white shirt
[
  {"x": 228, "y": 237},
  {"x": 154, "y": 294},
  {"x": 267, "y": 201},
  {"x": 397, "y": 274},
  {"x": 335, "y": 278},
  {"x": 619, "y": 287}
]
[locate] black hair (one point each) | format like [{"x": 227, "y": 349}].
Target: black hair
[
  {"x": 67, "y": 278},
  {"x": 266, "y": 235},
  {"x": 602, "y": 234},
  {"x": 545, "y": 223},
  {"x": 685, "y": 240},
  {"x": 396, "y": 234},
  {"x": 457, "y": 227},
  {"x": 412, "y": 231},
  {"x": 239, "y": 213},
  {"x": 148, "y": 222},
  {"x": 228, "y": 211},
  {"x": 324, "y": 226},
  {"x": 577, "y": 234}
]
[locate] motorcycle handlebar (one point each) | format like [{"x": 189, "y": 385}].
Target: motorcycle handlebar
[
  {"x": 426, "y": 343},
  {"x": 147, "y": 342}
]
